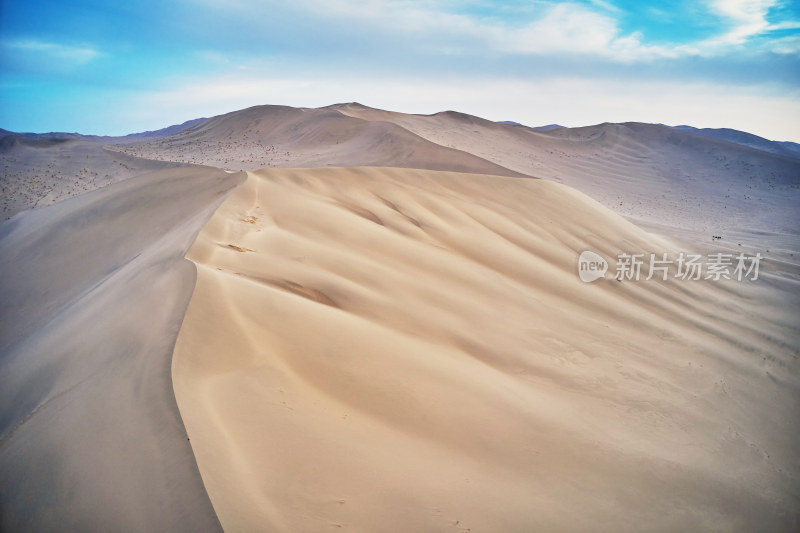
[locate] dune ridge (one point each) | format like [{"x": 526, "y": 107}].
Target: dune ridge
[
  {"x": 644, "y": 171},
  {"x": 402, "y": 350},
  {"x": 288, "y": 137}
]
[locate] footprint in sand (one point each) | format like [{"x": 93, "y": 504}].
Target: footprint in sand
[{"x": 239, "y": 248}]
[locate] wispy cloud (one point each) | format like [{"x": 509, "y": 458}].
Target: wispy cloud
[
  {"x": 746, "y": 23},
  {"x": 572, "y": 29},
  {"x": 786, "y": 45},
  {"x": 542, "y": 28},
  {"x": 552, "y": 28},
  {"x": 592, "y": 29},
  {"x": 608, "y": 6},
  {"x": 77, "y": 55},
  {"x": 747, "y": 17}
]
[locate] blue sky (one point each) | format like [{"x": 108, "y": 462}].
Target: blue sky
[{"x": 108, "y": 68}]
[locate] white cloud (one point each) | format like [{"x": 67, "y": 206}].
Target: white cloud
[
  {"x": 556, "y": 28},
  {"x": 785, "y": 25},
  {"x": 786, "y": 45},
  {"x": 563, "y": 28},
  {"x": 747, "y": 20},
  {"x": 539, "y": 28},
  {"x": 573, "y": 29},
  {"x": 73, "y": 54},
  {"x": 605, "y": 5}
]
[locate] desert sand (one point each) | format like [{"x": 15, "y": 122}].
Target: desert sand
[
  {"x": 90, "y": 435},
  {"x": 395, "y": 350},
  {"x": 37, "y": 172},
  {"x": 281, "y": 136},
  {"x": 397, "y": 339},
  {"x": 646, "y": 172}
]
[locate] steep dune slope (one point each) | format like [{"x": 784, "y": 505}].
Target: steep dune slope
[
  {"x": 94, "y": 289},
  {"x": 395, "y": 350},
  {"x": 279, "y": 136}
]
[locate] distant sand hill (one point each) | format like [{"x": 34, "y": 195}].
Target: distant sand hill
[{"x": 395, "y": 337}]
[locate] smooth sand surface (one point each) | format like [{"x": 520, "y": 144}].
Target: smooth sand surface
[
  {"x": 397, "y": 350},
  {"x": 94, "y": 290}
]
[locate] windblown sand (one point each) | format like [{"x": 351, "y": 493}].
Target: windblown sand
[{"x": 375, "y": 349}]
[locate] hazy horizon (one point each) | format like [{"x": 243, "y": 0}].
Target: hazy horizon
[
  {"x": 115, "y": 70},
  {"x": 341, "y": 103}
]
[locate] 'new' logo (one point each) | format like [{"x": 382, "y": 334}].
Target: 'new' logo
[{"x": 591, "y": 266}]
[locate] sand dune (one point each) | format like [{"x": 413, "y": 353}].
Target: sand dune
[
  {"x": 94, "y": 291},
  {"x": 386, "y": 349},
  {"x": 280, "y": 136},
  {"x": 644, "y": 171},
  {"x": 395, "y": 350}
]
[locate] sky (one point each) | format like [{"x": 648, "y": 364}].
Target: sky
[{"x": 112, "y": 68}]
